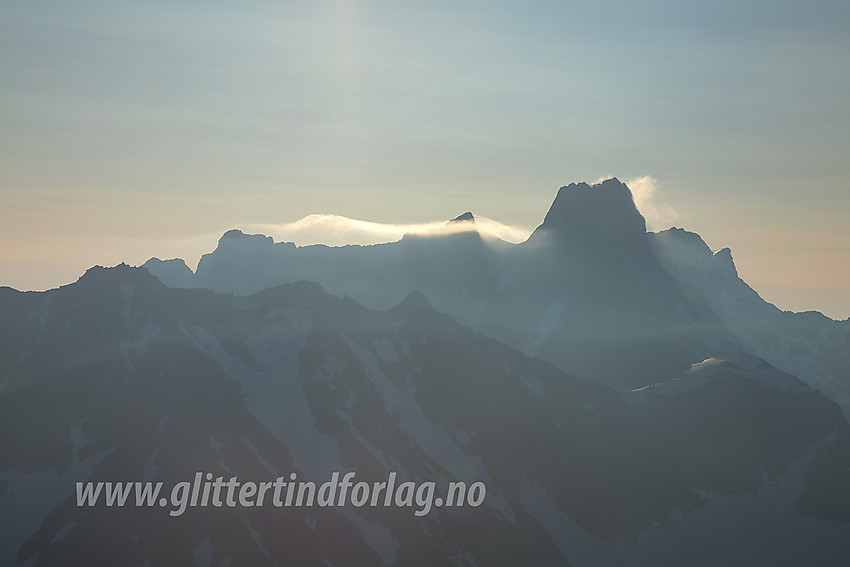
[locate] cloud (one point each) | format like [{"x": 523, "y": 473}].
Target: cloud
[
  {"x": 645, "y": 192},
  {"x": 337, "y": 230},
  {"x": 490, "y": 227}
]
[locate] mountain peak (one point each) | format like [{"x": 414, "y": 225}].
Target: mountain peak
[
  {"x": 173, "y": 272},
  {"x": 235, "y": 235},
  {"x": 677, "y": 247},
  {"x": 606, "y": 204},
  {"x": 122, "y": 273},
  {"x": 600, "y": 212},
  {"x": 465, "y": 217},
  {"x": 723, "y": 259},
  {"x": 415, "y": 300}
]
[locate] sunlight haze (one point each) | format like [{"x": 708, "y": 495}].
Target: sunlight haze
[{"x": 131, "y": 130}]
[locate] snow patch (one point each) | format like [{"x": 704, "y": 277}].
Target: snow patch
[
  {"x": 128, "y": 289},
  {"x": 256, "y": 535},
  {"x": 463, "y": 559},
  {"x": 330, "y": 371},
  {"x": 385, "y": 350},
  {"x": 263, "y": 461},
  {"x": 43, "y": 315},
  {"x": 146, "y": 332},
  {"x": 150, "y": 465},
  {"x": 463, "y": 437},
  {"x": 162, "y": 424},
  {"x": 428, "y": 436},
  {"x": 549, "y": 323},
  {"x": 203, "y": 553},
  {"x": 534, "y": 385},
  {"x": 78, "y": 438},
  {"x": 376, "y": 536},
  {"x": 23, "y": 356},
  {"x": 60, "y": 535},
  {"x": 214, "y": 443},
  {"x": 30, "y": 497},
  {"x": 734, "y": 367}
]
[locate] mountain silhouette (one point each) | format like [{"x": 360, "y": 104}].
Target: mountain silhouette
[
  {"x": 623, "y": 398},
  {"x": 590, "y": 291},
  {"x": 118, "y": 377}
]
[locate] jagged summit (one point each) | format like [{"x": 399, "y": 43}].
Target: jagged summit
[
  {"x": 121, "y": 273},
  {"x": 723, "y": 259},
  {"x": 113, "y": 282},
  {"x": 605, "y": 207},
  {"x": 235, "y": 235},
  {"x": 465, "y": 217},
  {"x": 599, "y": 220},
  {"x": 685, "y": 236},
  {"x": 681, "y": 246},
  {"x": 173, "y": 272},
  {"x": 677, "y": 246},
  {"x": 415, "y": 300},
  {"x": 416, "y": 305}
]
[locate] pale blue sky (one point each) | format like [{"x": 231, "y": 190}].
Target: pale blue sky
[{"x": 132, "y": 129}]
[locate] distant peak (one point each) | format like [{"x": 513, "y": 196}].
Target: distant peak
[
  {"x": 173, "y": 272},
  {"x": 154, "y": 261},
  {"x": 122, "y": 273},
  {"x": 601, "y": 211},
  {"x": 237, "y": 236},
  {"x": 684, "y": 240},
  {"x": 611, "y": 181},
  {"x": 723, "y": 259},
  {"x": 415, "y": 301},
  {"x": 465, "y": 217},
  {"x": 232, "y": 233}
]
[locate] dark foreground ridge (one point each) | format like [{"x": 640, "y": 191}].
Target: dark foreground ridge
[{"x": 117, "y": 377}]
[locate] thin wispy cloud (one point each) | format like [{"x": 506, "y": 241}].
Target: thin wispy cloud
[
  {"x": 646, "y": 195},
  {"x": 337, "y": 230}
]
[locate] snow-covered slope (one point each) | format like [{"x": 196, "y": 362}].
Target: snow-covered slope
[
  {"x": 119, "y": 378},
  {"x": 808, "y": 345}
]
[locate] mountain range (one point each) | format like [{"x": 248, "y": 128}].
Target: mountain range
[
  {"x": 623, "y": 395},
  {"x": 589, "y": 282}
]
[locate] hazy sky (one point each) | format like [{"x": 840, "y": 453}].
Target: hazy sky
[{"x": 134, "y": 129}]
